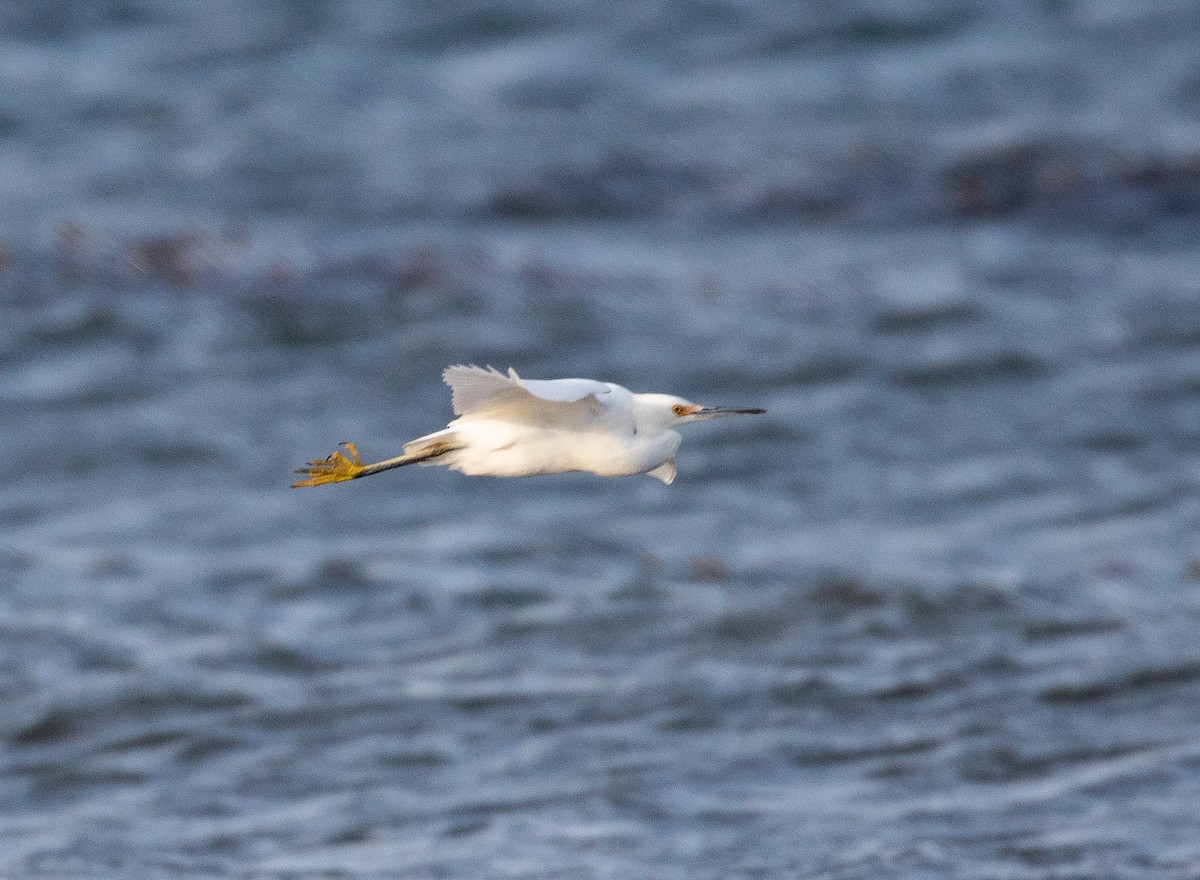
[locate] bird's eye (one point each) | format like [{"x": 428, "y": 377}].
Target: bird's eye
[{"x": 679, "y": 409}]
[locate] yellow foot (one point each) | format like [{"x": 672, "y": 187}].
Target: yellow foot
[{"x": 338, "y": 467}]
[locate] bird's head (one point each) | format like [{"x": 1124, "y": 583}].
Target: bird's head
[{"x": 666, "y": 411}]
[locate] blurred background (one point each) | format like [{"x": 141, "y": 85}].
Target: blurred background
[{"x": 934, "y": 615}]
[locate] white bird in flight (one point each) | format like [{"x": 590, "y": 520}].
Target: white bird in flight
[{"x": 513, "y": 427}]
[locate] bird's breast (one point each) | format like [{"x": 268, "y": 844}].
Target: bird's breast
[{"x": 499, "y": 448}]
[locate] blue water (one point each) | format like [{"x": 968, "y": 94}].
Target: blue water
[{"x": 934, "y": 615}]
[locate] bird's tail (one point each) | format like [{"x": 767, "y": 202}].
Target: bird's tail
[{"x": 340, "y": 465}]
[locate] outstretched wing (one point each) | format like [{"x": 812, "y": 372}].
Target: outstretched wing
[{"x": 475, "y": 389}]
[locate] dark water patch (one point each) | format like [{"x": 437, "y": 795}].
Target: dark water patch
[
  {"x": 20, "y": 513},
  {"x": 172, "y": 258},
  {"x": 285, "y": 178},
  {"x": 277, "y": 321},
  {"x": 52, "y": 726},
  {"x": 176, "y": 452},
  {"x": 933, "y": 299},
  {"x": 290, "y": 660},
  {"x": 10, "y": 127},
  {"x": 1046, "y": 856},
  {"x": 809, "y": 199},
  {"x": 708, "y": 569},
  {"x": 758, "y": 625},
  {"x": 340, "y": 572},
  {"x": 1132, "y": 684},
  {"x": 971, "y": 366},
  {"x": 850, "y": 751},
  {"x": 808, "y": 690},
  {"x": 1052, "y": 629},
  {"x": 957, "y": 603},
  {"x": 501, "y": 701},
  {"x": 50, "y": 25},
  {"x": 127, "y": 111},
  {"x": 1172, "y": 322},
  {"x": 918, "y": 687},
  {"x": 693, "y": 716},
  {"x": 822, "y": 367},
  {"x": 423, "y": 269},
  {"x": 1170, "y": 182},
  {"x": 1112, "y": 439},
  {"x": 430, "y": 756},
  {"x": 858, "y": 29},
  {"x": 495, "y": 598},
  {"x": 847, "y": 592},
  {"x": 603, "y": 630},
  {"x": 97, "y": 712},
  {"x": 1135, "y": 503},
  {"x": 64, "y": 782},
  {"x": 921, "y": 316},
  {"x": 334, "y": 575},
  {"x": 240, "y": 579},
  {"x": 69, "y": 323},
  {"x": 466, "y": 827},
  {"x": 435, "y": 31},
  {"x": 201, "y": 747},
  {"x": 96, "y": 374},
  {"x": 1006, "y": 178},
  {"x": 17, "y": 560},
  {"x": 999, "y": 762},
  {"x": 618, "y": 185},
  {"x": 114, "y": 565},
  {"x": 252, "y": 46}
]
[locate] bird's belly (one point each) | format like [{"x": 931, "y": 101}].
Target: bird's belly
[{"x": 503, "y": 449}]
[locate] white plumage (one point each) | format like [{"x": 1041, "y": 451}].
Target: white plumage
[
  {"x": 513, "y": 427},
  {"x": 473, "y": 389}
]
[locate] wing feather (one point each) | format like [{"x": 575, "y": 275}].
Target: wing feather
[{"x": 475, "y": 389}]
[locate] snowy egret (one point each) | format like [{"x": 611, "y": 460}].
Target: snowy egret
[{"x": 513, "y": 427}]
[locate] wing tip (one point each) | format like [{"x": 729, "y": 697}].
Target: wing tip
[
  {"x": 468, "y": 392},
  {"x": 489, "y": 370}
]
